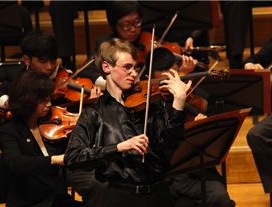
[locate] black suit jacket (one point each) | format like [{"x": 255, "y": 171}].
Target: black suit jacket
[
  {"x": 263, "y": 56},
  {"x": 34, "y": 181}
]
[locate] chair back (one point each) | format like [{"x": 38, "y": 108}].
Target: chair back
[
  {"x": 4, "y": 181},
  {"x": 15, "y": 22}
]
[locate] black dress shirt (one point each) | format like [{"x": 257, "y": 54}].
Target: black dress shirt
[{"x": 102, "y": 125}]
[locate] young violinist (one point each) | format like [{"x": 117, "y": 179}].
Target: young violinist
[
  {"x": 35, "y": 167},
  {"x": 189, "y": 184},
  {"x": 110, "y": 138}
]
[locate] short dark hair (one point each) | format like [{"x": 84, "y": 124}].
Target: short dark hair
[
  {"x": 40, "y": 45},
  {"x": 115, "y": 10},
  {"x": 163, "y": 59},
  {"x": 27, "y": 91}
]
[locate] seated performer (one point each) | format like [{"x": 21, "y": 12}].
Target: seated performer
[
  {"x": 35, "y": 167},
  {"x": 109, "y": 137},
  {"x": 259, "y": 136},
  {"x": 261, "y": 59}
]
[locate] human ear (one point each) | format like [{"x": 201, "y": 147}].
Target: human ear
[
  {"x": 106, "y": 67},
  {"x": 26, "y": 59}
]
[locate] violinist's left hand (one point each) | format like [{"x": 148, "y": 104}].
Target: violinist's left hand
[
  {"x": 189, "y": 43},
  {"x": 96, "y": 92},
  {"x": 176, "y": 87},
  {"x": 188, "y": 64}
]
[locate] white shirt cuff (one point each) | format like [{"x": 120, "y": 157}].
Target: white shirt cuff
[{"x": 3, "y": 101}]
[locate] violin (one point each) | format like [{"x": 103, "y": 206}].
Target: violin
[
  {"x": 60, "y": 124},
  {"x": 70, "y": 88},
  {"x": 145, "y": 42},
  {"x": 135, "y": 98}
]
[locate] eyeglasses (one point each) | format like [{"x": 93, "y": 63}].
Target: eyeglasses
[
  {"x": 129, "y": 67},
  {"x": 128, "y": 26}
]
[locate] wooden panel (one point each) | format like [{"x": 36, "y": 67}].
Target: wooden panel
[{"x": 241, "y": 167}]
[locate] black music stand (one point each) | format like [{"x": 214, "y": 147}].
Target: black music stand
[
  {"x": 206, "y": 143},
  {"x": 161, "y": 13},
  {"x": 242, "y": 89}
]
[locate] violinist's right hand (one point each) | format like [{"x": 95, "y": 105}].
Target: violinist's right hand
[
  {"x": 189, "y": 43},
  {"x": 252, "y": 66},
  {"x": 57, "y": 160},
  {"x": 138, "y": 143}
]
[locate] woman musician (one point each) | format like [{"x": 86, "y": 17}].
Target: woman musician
[{"x": 35, "y": 167}]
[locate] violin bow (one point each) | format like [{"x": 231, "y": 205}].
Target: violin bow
[
  {"x": 81, "y": 101},
  {"x": 83, "y": 67},
  {"x": 160, "y": 41},
  {"x": 140, "y": 74},
  {"x": 201, "y": 79},
  {"x": 149, "y": 85},
  {"x": 168, "y": 28},
  {"x": 77, "y": 72}
]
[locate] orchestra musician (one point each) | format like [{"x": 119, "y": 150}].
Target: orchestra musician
[
  {"x": 259, "y": 136},
  {"x": 262, "y": 59},
  {"x": 110, "y": 139},
  {"x": 35, "y": 167},
  {"x": 188, "y": 185},
  {"x": 125, "y": 20}
]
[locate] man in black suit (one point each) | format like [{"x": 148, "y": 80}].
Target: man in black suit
[
  {"x": 259, "y": 137},
  {"x": 262, "y": 58}
]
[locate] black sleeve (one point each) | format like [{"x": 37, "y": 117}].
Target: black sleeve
[{"x": 263, "y": 56}]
